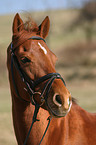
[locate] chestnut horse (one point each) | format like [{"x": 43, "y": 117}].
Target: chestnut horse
[{"x": 35, "y": 85}]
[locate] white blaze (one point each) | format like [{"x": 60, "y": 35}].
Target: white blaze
[
  {"x": 68, "y": 101},
  {"x": 43, "y": 48}
]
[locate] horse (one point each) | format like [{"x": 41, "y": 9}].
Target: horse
[{"x": 39, "y": 92}]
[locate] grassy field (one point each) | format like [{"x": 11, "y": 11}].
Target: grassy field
[
  {"x": 6, "y": 129},
  {"x": 75, "y": 63}
]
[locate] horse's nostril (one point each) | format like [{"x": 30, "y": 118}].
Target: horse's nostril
[{"x": 58, "y": 99}]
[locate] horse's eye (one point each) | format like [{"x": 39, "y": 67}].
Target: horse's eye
[{"x": 25, "y": 59}]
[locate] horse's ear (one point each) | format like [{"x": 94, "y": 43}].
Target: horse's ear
[
  {"x": 44, "y": 27},
  {"x": 17, "y": 24}
]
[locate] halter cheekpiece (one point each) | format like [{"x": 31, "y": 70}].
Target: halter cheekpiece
[{"x": 30, "y": 87}]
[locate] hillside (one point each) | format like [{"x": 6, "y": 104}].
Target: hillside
[{"x": 59, "y": 39}]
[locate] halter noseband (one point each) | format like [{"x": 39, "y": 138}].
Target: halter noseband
[{"x": 30, "y": 88}]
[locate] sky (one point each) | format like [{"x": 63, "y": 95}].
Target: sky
[{"x": 13, "y": 6}]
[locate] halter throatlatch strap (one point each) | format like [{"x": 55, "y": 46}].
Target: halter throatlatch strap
[
  {"x": 49, "y": 120},
  {"x": 30, "y": 88},
  {"x": 33, "y": 121}
]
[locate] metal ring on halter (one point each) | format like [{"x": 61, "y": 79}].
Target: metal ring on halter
[{"x": 34, "y": 101}]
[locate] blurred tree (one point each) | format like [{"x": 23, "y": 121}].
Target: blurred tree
[{"x": 87, "y": 19}]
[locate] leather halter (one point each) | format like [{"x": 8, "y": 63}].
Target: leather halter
[{"x": 30, "y": 88}]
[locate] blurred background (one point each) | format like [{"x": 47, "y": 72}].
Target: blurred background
[{"x": 72, "y": 38}]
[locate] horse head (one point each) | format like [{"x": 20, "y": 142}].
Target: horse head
[{"x": 36, "y": 60}]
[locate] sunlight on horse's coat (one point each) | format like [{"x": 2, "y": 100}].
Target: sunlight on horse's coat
[
  {"x": 78, "y": 127},
  {"x": 43, "y": 48}
]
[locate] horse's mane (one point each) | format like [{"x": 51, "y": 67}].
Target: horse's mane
[
  {"x": 74, "y": 100},
  {"x": 30, "y": 25}
]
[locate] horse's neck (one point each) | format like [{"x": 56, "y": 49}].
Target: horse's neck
[
  {"x": 22, "y": 119},
  {"x": 61, "y": 131},
  {"x": 82, "y": 126}
]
